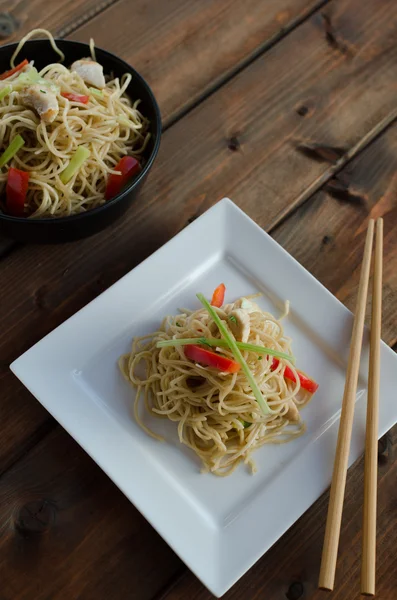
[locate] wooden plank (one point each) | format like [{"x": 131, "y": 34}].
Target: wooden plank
[
  {"x": 332, "y": 226},
  {"x": 238, "y": 142},
  {"x": 184, "y": 49},
  {"x": 67, "y": 532},
  {"x": 290, "y": 568},
  {"x": 18, "y": 17}
]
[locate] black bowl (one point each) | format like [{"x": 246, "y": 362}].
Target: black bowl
[{"x": 66, "y": 229}]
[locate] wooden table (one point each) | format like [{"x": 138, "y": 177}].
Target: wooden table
[{"x": 286, "y": 106}]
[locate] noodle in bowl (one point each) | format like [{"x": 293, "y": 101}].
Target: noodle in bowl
[
  {"x": 122, "y": 120},
  {"x": 111, "y": 127}
]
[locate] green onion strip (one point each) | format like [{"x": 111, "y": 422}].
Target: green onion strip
[
  {"x": 237, "y": 355},
  {"x": 223, "y": 344}
]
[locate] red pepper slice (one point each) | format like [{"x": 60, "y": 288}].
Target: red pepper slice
[
  {"x": 211, "y": 359},
  {"x": 75, "y": 97},
  {"x": 218, "y": 296},
  {"x": 14, "y": 70},
  {"x": 16, "y": 189},
  {"x": 305, "y": 381},
  {"x": 128, "y": 166}
]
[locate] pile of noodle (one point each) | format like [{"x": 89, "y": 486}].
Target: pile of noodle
[
  {"x": 217, "y": 414},
  {"x": 109, "y": 125}
]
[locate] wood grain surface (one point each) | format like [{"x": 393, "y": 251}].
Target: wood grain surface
[
  {"x": 270, "y": 122},
  {"x": 327, "y": 234},
  {"x": 242, "y": 142},
  {"x": 67, "y": 532},
  {"x": 18, "y": 17},
  {"x": 185, "y": 49}
]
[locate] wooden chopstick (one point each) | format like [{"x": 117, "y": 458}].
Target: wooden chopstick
[
  {"x": 334, "y": 517},
  {"x": 371, "y": 438}
]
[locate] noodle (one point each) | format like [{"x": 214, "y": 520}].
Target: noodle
[
  {"x": 30, "y": 35},
  {"x": 92, "y": 49},
  {"x": 109, "y": 126},
  {"x": 217, "y": 414}
]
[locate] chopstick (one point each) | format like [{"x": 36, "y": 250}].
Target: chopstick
[
  {"x": 334, "y": 517},
  {"x": 371, "y": 437}
]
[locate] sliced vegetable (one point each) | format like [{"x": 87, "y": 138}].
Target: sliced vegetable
[
  {"x": 218, "y": 296},
  {"x": 96, "y": 92},
  {"x": 14, "y": 70},
  {"x": 83, "y": 99},
  {"x": 237, "y": 354},
  {"x": 246, "y": 424},
  {"x": 5, "y": 91},
  {"x": 29, "y": 77},
  {"x": 128, "y": 167},
  {"x": 223, "y": 344},
  {"x": 306, "y": 383},
  {"x": 211, "y": 359},
  {"x": 16, "y": 189},
  {"x": 75, "y": 163},
  {"x": 11, "y": 150},
  {"x": 33, "y": 77}
]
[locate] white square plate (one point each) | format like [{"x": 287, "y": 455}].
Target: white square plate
[{"x": 218, "y": 526}]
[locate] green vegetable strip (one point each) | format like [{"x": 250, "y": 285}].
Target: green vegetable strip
[
  {"x": 258, "y": 350},
  {"x": 96, "y": 92},
  {"x": 11, "y": 150},
  {"x": 75, "y": 163},
  {"x": 237, "y": 355},
  {"x": 5, "y": 91},
  {"x": 28, "y": 78},
  {"x": 223, "y": 344}
]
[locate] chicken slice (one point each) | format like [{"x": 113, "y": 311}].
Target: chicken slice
[
  {"x": 90, "y": 71},
  {"x": 42, "y": 100},
  {"x": 239, "y": 323},
  {"x": 248, "y": 305}
]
